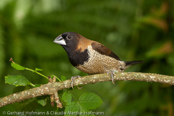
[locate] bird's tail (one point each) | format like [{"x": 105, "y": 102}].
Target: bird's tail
[{"x": 129, "y": 63}]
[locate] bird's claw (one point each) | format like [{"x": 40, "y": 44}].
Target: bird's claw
[
  {"x": 111, "y": 73},
  {"x": 72, "y": 80}
]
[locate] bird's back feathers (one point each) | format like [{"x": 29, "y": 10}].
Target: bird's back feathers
[{"x": 104, "y": 50}]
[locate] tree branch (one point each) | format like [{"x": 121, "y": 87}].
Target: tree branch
[{"x": 51, "y": 88}]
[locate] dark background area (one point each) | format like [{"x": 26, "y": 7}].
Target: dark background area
[{"x": 133, "y": 29}]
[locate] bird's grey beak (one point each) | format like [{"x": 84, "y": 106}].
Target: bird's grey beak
[{"x": 60, "y": 40}]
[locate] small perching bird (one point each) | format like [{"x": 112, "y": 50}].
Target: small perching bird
[{"x": 90, "y": 56}]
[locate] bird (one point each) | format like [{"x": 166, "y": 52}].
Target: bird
[{"x": 90, "y": 56}]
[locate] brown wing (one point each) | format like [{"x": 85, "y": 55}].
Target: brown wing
[{"x": 104, "y": 50}]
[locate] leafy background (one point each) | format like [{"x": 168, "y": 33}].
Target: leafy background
[{"x": 133, "y": 29}]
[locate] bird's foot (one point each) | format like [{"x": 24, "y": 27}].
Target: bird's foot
[
  {"x": 72, "y": 80},
  {"x": 111, "y": 73}
]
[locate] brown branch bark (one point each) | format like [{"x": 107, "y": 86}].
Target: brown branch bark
[{"x": 51, "y": 88}]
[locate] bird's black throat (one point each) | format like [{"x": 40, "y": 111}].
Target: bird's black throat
[{"x": 76, "y": 57}]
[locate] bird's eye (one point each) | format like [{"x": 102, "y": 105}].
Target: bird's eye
[{"x": 69, "y": 37}]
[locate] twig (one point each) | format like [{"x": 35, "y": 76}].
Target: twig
[{"x": 50, "y": 88}]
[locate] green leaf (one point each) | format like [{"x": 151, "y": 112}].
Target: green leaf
[
  {"x": 86, "y": 101},
  {"x": 85, "y": 112},
  {"x": 42, "y": 102},
  {"x": 76, "y": 109},
  {"x": 17, "y": 66},
  {"x": 63, "y": 78},
  {"x": 17, "y": 80},
  {"x": 72, "y": 109},
  {"x": 90, "y": 100},
  {"x": 67, "y": 97},
  {"x": 38, "y": 69}
]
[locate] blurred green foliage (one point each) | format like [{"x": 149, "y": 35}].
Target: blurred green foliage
[{"x": 133, "y": 29}]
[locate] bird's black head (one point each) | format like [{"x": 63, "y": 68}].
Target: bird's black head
[
  {"x": 75, "y": 46},
  {"x": 68, "y": 40}
]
